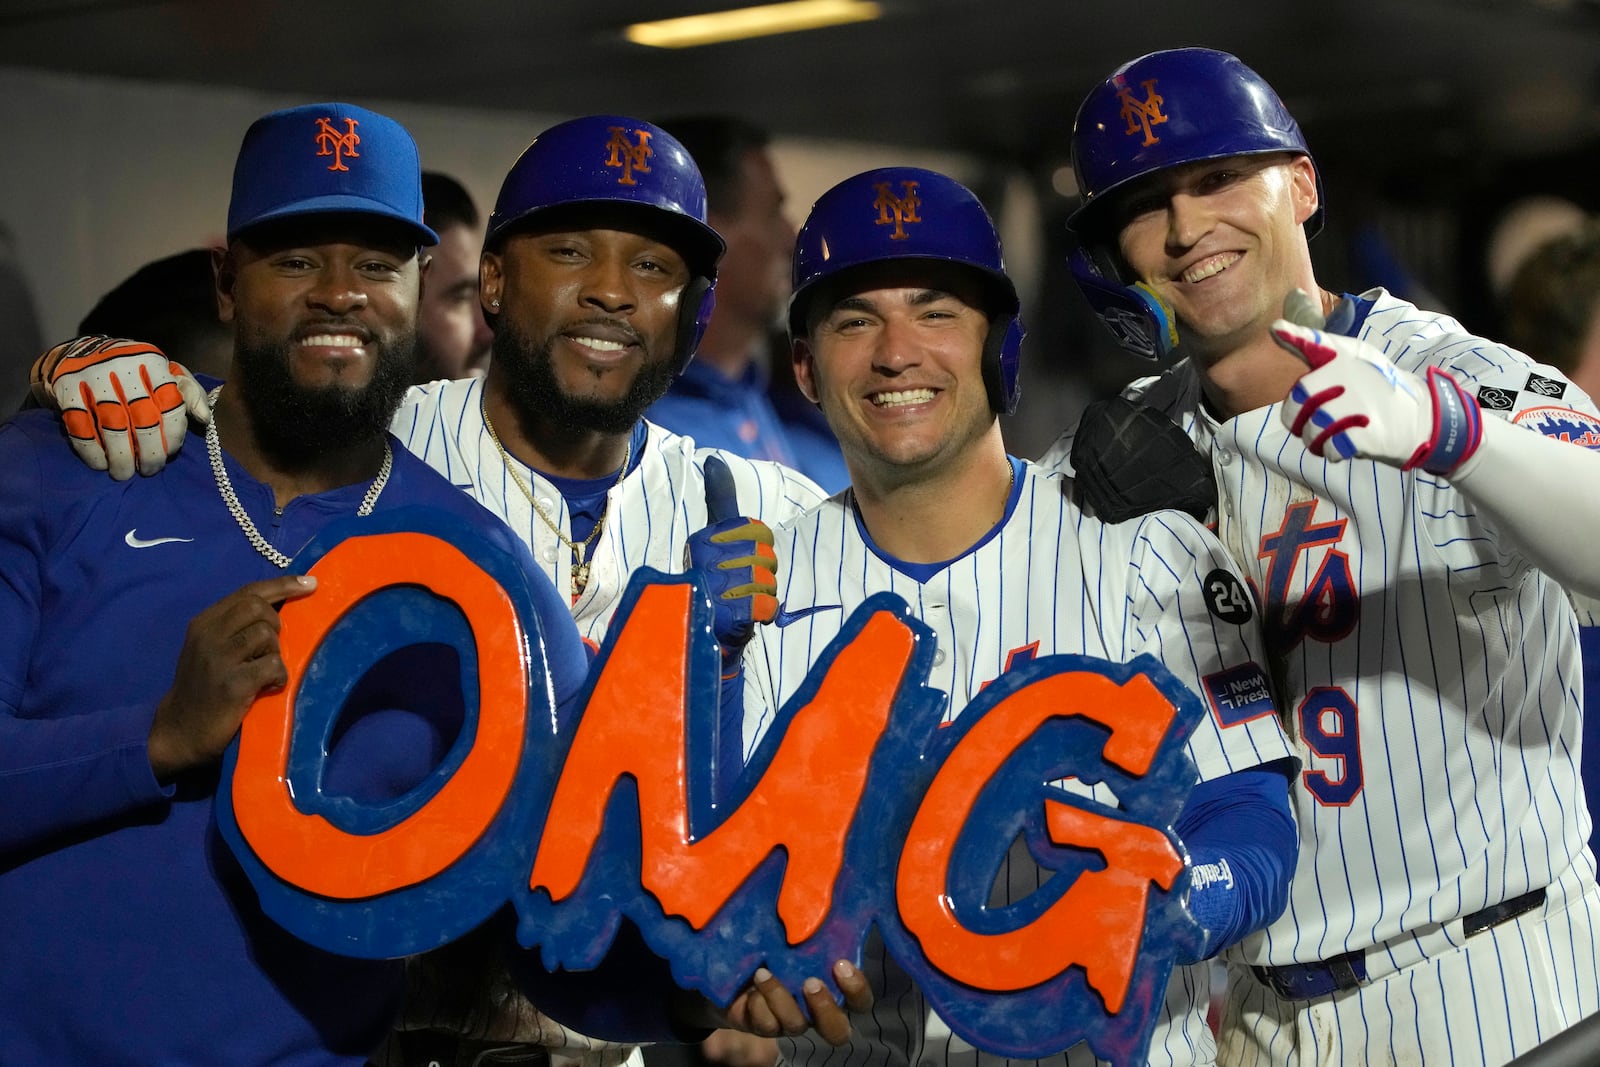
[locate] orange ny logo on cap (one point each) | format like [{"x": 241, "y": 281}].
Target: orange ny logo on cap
[
  {"x": 1142, "y": 114},
  {"x": 630, "y": 157},
  {"x": 330, "y": 142},
  {"x": 897, "y": 210}
]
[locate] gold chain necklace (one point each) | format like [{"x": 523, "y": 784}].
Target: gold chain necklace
[
  {"x": 580, "y": 563},
  {"x": 236, "y": 509}
]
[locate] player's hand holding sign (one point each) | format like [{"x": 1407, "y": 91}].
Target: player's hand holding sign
[
  {"x": 768, "y": 1009},
  {"x": 125, "y": 405},
  {"x": 1355, "y": 402},
  {"x": 734, "y": 554},
  {"x": 230, "y": 655}
]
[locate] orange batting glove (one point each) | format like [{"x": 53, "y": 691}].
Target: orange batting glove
[{"x": 124, "y": 404}]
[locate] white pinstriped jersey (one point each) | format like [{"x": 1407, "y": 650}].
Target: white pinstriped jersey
[
  {"x": 1049, "y": 581},
  {"x": 651, "y": 512},
  {"x": 1430, "y": 671}
]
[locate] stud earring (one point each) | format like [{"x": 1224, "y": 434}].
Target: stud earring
[{"x": 495, "y": 304}]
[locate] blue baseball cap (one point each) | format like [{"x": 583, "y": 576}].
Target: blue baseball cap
[{"x": 323, "y": 158}]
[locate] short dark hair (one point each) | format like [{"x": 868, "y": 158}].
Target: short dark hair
[
  {"x": 446, "y": 203},
  {"x": 171, "y": 303},
  {"x": 1554, "y": 296},
  {"x": 718, "y": 143}
]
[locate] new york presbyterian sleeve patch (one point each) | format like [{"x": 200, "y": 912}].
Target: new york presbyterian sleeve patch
[{"x": 1238, "y": 694}]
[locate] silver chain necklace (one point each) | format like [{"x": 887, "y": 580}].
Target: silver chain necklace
[
  {"x": 580, "y": 564},
  {"x": 236, "y": 509}
]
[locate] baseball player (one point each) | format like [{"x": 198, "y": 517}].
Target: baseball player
[
  {"x": 906, "y": 330},
  {"x": 1386, "y": 482},
  {"x": 131, "y": 935},
  {"x": 597, "y": 276}
]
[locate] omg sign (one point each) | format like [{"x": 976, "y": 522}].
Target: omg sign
[{"x": 856, "y": 811}]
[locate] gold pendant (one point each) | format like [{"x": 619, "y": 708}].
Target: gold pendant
[{"x": 580, "y": 579}]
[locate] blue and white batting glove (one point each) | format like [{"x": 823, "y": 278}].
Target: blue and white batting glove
[
  {"x": 1355, "y": 402},
  {"x": 125, "y": 405},
  {"x": 735, "y": 558}
]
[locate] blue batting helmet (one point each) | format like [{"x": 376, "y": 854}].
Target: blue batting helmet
[
  {"x": 900, "y": 213},
  {"x": 626, "y": 166},
  {"x": 1163, "y": 110}
]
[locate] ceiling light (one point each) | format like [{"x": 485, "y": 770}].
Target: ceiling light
[{"x": 750, "y": 22}]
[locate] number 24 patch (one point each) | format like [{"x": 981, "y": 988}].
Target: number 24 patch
[{"x": 1227, "y": 598}]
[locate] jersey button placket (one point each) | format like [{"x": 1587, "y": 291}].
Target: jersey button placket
[{"x": 936, "y": 611}]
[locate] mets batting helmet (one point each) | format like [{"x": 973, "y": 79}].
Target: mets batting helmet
[
  {"x": 1163, "y": 110},
  {"x": 628, "y": 167},
  {"x": 900, "y": 213}
]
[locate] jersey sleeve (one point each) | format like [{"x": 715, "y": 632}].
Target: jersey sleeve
[
  {"x": 768, "y": 491},
  {"x": 68, "y": 770},
  {"x": 1188, "y": 607},
  {"x": 1492, "y": 514},
  {"x": 1506, "y": 383}
]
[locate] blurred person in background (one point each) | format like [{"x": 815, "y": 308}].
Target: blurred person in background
[
  {"x": 1552, "y": 305},
  {"x": 172, "y": 304},
  {"x": 21, "y": 340},
  {"x": 453, "y": 337},
  {"x": 727, "y": 398}
]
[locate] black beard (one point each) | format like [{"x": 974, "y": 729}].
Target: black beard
[
  {"x": 538, "y": 398},
  {"x": 296, "y": 426}
]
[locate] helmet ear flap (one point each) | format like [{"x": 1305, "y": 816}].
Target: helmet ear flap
[
  {"x": 1002, "y": 363},
  {"x": 1140, "y": 320},
  {"x": 695, "y": 305}
]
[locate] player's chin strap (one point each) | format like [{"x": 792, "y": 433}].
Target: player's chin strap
[{"x": 1140, "y": 320}]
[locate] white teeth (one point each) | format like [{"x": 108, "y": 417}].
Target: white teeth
[
  {"x": 1207, "y": 267},
  {"x": 599, "y": 345},
  {"x": 903, "y": 396},
  {"x": 333, "y": 340}
]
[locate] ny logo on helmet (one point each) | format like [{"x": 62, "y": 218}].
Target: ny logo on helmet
[
  {"x": 897, "y": 210},
  {"x": 1142, "y": 114},
  {"x": 330, "y": 142},
  {"x": 630, "y": 157}
]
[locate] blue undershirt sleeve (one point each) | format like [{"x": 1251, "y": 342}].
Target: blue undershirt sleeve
[{"x": 1243, "y": 845}]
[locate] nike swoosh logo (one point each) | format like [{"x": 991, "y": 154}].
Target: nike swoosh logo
[
  {"x": 135, "y": 541},
  {"x": 785, "y": 616}
]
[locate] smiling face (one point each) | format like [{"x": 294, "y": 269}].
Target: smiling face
[
  {"x": 324, "y": 310},
  {"x": 1221, "y": 242},
  {"x": 588, "y": 323},
  {"x": 897, "y": 364}
]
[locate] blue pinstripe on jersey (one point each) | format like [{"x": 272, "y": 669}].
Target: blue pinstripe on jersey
[
  {"x": 1051, "y": 576},
  {"x": 1461, "y": 671},
  {"x": 652, "y": 511}
]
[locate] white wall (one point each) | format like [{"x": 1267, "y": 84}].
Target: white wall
[{"x": 103, "y": 175}]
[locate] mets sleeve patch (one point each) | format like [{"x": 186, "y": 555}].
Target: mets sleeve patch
[
  {"x": 1564, "y": 424},
  {"x": 1238, "y": 694}
]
